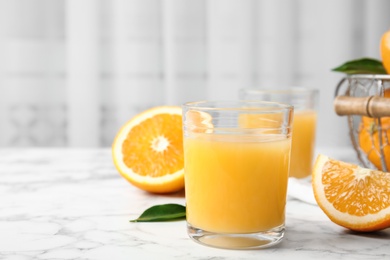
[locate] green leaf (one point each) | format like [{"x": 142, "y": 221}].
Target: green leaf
[
  {"x": 165, "y": 212},
  {"x": 362, "y": 66}
]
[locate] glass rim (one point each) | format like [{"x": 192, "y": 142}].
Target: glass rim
[
  {"x": 236, "y": 105},
  {"x": 368, "y": 76},
  {"x": 283, "y": 90}
]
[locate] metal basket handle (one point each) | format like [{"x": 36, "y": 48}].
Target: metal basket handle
[{"x": 371, "y": 106}]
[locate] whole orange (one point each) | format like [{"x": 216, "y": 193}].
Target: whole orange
[
  {"x": 385, "y": 50},
  {"x": 369, "y": 138}
]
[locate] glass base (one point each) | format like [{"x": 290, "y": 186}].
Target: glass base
[{"x": 237, "y": 241}]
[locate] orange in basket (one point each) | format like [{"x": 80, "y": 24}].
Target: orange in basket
[{"x": 369, "y": 138}]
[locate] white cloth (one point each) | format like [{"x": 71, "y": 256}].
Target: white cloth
[{"x": 301, "y": 189}]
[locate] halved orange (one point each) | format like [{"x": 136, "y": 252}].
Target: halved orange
[
  {"x": 351, "y": 196},
  {"x": 148, "y": 150}
]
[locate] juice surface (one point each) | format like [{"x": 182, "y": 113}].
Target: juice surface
[
  {"x": 235, "y": 184},
  {"x": 303, "y": 142}
]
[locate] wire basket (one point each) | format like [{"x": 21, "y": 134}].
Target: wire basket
[{"x": 365, "y": 101}]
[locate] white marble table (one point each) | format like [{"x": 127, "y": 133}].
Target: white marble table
[{"x": 72, "y": 204}]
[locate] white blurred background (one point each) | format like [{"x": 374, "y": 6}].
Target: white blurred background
[{"x": 73, "y": 71}]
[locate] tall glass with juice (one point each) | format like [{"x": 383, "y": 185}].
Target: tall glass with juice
[
  {"x": 236, "y": 178},
  {"x": 304, "y": 101}
]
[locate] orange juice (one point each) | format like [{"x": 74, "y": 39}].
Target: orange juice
[
  {"x": 236, "y": 184},
  {"x": 303, "y": 137},
  {"x": 303, "y": 142}
]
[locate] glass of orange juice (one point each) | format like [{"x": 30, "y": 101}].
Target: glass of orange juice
[
  {"x": 236, "y": 175},
  {"x": 305, "y": 102}
]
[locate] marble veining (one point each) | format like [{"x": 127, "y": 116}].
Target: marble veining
[{"x": 72, "y": 204}]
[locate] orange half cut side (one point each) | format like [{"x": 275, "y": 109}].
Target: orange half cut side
[{"x": 148, "y": 150}]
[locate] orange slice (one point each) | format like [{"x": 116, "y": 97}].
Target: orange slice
[
  {"x": 148, "y": 150},
  {"x": 351, "y": 196}
]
